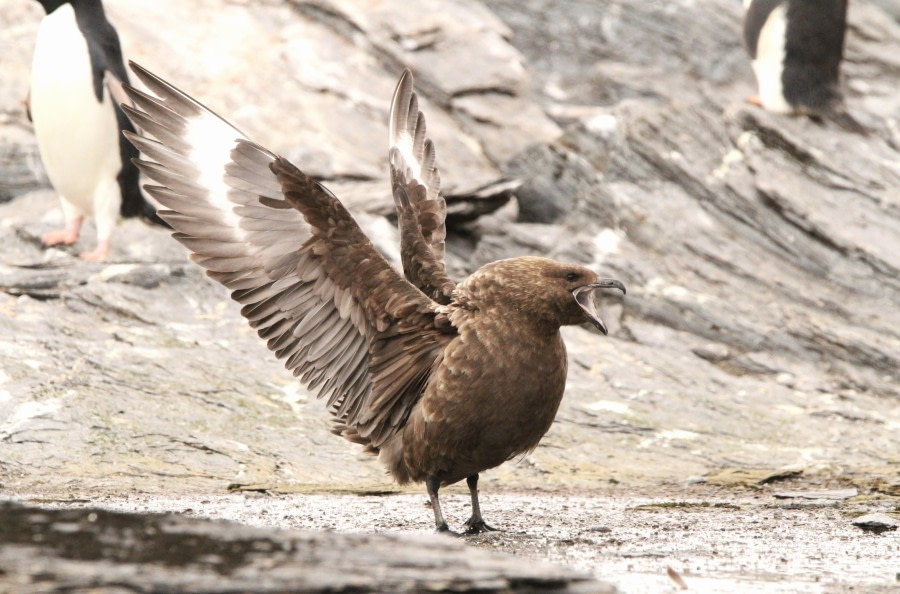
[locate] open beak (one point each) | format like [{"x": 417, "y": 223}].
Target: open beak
[{"x": 584, "y": 296}]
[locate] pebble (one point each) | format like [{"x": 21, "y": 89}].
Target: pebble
[{"x": 876, "y": 523}]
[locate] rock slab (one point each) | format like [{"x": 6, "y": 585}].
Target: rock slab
[{"x": 46, "y": 550}]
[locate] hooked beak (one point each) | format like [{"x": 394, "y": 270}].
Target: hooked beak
[{"x": 584, "y": 296}]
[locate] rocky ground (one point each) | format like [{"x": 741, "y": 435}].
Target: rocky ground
[
  {"x": 759, "y": 341},
  {"x": 717, "y": 540}
]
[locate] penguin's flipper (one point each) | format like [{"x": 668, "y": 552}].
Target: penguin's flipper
[
  {"x": 109, "y": 74},
  {"x": 813, "y": 51}
]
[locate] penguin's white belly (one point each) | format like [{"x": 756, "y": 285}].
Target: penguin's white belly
[
  {"x": 78, "y": 136},
  {"x": 769, "y": 63}
]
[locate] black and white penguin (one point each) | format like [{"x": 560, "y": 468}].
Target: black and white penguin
[
  {"x": 797, "y": 47},
  {"x": 76, "y": 79}
]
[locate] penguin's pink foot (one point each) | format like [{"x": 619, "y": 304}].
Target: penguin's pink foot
[
  {"x": 101, "y": 254},
  {"x": 754, "y": 100},
  {"x": 66, "y": 236}
]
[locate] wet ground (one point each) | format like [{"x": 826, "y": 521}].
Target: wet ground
[{"x": 780, "y": 538}]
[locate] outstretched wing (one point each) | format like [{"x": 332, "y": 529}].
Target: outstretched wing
[
  {"x": 416, "y": 185},
  {"x": 310, "y": 282}
]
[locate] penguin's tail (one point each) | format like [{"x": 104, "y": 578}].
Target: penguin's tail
[
  {"x": 832, "y": 108},
  {"x": 842, "y": 118},
  {"x": 149, "y": 215}
]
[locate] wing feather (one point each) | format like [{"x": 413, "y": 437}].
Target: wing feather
[
  {"x": 309, "y": 281},
  {"x": 416, "y": 184}
]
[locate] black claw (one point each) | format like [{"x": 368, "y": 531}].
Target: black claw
[
  {"x": 479, "y": 527},
  {"x": 444, "y": 529}
]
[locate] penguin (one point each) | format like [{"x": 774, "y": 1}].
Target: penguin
[
  {"x": 796, "y": 47},
  {"x": 76, "y": 87}
]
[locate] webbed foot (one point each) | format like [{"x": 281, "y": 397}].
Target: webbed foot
[
  {"x": 101, "y": 254},
  {"x": 754, "y": 100},
  {"x": 66, "y": 236}
]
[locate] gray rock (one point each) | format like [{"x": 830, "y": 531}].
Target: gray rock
[
  {"x": 99, "y": 550},
  {"x": 876, "y": 523},
  {"x": 475, "y": 203},
  {"x": 830, "y": 494},
  {"x": 556, "y": 184},
  {"x": 21, "y": 170},
  {"x": 713, "y": 352}
]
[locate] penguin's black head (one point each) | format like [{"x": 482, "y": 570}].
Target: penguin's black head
[{"x": 51, "y": 5}]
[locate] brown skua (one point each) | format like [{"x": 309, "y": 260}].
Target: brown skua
[{"x": 440, "y": 380}]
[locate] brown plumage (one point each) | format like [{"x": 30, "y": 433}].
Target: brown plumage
[{"x": 440, "y": 380}]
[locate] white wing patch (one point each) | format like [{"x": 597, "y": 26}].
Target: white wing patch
[
  {"x": 404, "y": 144},
  {"x": 407, "y": 128},
  {"x": 212, "y": 141}
]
